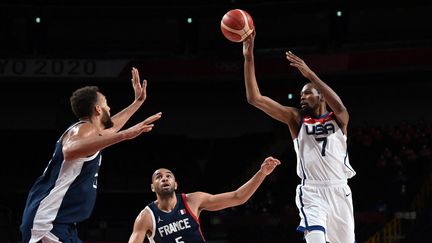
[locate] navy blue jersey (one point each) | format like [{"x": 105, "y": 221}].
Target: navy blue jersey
[
  {"x": 65, "y": 193},
  {"x": 179, "y": 225}
]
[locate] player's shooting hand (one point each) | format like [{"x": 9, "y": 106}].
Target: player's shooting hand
[
  {"x": 299, "y": 64},
  {"x": 269, "y": 165},
  {"x": 139, "y": 89},
  {"x": 248, "y": 45}
]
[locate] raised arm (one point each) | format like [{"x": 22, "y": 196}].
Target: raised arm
[
  {"x": 85, "y": 140},
  {"x": 140, "y": 90},
  {"x": 332, "y": 99},
  {"x": 204, "y": 201},
  {"x": 285, "y": 114},
  {"x": 142, "y": 227}
]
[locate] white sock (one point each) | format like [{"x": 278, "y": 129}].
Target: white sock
[{"x": 315, "y": 236}]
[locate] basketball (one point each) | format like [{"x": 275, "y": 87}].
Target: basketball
[{"x": 237, "y": 25}]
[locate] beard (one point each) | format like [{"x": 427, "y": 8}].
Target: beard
[
  {"x": 166, "y": 193},
  {"x": 106, "y": 120},
  {"x": 306, "y": 111}
]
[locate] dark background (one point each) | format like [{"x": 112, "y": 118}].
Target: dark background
[{"x": 376, "y": 56}]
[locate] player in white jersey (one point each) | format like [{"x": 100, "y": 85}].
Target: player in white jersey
[{"x": 323, "y": 197}]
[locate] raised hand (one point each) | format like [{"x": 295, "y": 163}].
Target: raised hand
[
  {"x": 269, "y": 165},
  {"x": 144, "y": 126},
  {"x": 139, "y": 89},
  {"x": 299, "y": 64},
  {"x": 248, "y": 45},
  {"x": 153, "y": 118}
]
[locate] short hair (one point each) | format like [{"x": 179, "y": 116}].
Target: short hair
[
  {"x": 315, "y": 87},
  {"x": 83, "y": 100},
  {"x": 162, "y": 168}
]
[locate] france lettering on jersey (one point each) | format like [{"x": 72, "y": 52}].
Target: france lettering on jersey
[
  {"x": 64, "y": 194},
  {"x": 179, "y": 225},
  {"x": 321, "y": 149}
]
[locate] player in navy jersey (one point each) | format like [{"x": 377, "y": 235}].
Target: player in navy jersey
[
  {"x": 174, "y": 218},
  {"x": 66, "y": 191},
  {"x": 323, "y": 197}
]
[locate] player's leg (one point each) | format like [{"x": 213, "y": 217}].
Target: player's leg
[{"x": 313, "y": 214}]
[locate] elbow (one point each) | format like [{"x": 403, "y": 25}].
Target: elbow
[
  {"x": 243, "y": 201},
  {"x": 240, "y": 200},
  {"x": 253, "y": 100},
  {"x": 250, "y": 100}
]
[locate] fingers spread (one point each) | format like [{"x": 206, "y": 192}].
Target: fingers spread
[{"x": 293, "y": 58}]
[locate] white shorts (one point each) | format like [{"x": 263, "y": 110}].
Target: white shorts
[
  {"x": 45, "y": 237},
  {"x": 326, "y": 206}
]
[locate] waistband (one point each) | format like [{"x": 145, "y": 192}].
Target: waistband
[{"x": 330, "y": 183}]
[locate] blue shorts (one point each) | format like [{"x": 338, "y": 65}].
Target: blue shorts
[{"x": 67, "y": 233}]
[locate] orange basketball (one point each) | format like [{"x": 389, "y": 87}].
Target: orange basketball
[{"x": 236, "y": 25}]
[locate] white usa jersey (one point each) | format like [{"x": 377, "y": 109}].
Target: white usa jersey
[{"x": 321, "y": 148}]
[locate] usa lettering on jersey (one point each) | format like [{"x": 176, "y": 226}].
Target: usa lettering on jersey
[{"x": 320, "y": 129}]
